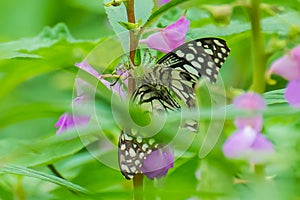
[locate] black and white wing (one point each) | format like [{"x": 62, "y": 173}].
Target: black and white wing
[
  {"x": 132, "y": 150},
  {"x": 190, "y": 61}
]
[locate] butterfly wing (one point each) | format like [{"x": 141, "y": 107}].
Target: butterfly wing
[
  {"x": 190, "y": 61},
  {"x": 131, "y": 153}
]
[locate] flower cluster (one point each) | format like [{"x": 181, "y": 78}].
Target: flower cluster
[
  {"x": 288, "y": 66},
  {"x": 248, "y": 142},
  {"x": 170, "y": 37},
  {"x": 69, "y": 121}
]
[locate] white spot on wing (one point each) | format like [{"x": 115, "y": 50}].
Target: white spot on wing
[
  {"x": 209, "y": 51},
  {"x": 200, "y": 59},
  {"x": 220, "y": 55},
  {"x": 196, "y": 64},
  {"x": 223, "y": 50},
  {"x": 145, "y": 147},
  {"x": 123, "y": 147},
  {"x": 191, "y": 69},
  {"x": 132, "y": 152},
  {"x": 217, "y": 42},
  {"x": 137, "y": 162},
  {"x": 199, "y": 44},
  {"x": 127, "y": 137},
  {"x": 142, "y": 155},
  {"x": 179, "y": 53},
  {"x": 190, "y": 56},
  {"x": 133, "y": 169},
  {"x": 125, "y": 168},
  {"x": 210, "y": 64},
  {"x": 208, "y": 71},
  {"x": 139, "y": 139}
]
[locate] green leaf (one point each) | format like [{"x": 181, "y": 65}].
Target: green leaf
[
  {"x": 280, "y": 24},
  {"x": 20, "y": 170},
  {"x": 142, "y": 12},
  {"x": 162, "y": 10},
  {"x": 115, "y": 15},
  {"x": 46, "y": 38},
  {"x": 49, "y": 59},
  {"x": 275, "y": 97},
  {"x": 44, "y": 151}
]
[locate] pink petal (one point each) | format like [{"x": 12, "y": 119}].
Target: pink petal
[
  {"x": 181, "y": 26},
  {"x": 169, "y": 38},
  {"x": 249, "y": 101},
  {"x": 292, "y": 93},
  {"x": 238, "y": 144},
  {"x": 84, "y": 65},
  {"x": 158, "y": 162},
  {"x": 67, "y": 122},
  {"x": 261, "y": 150},
  {"x": 287, "y": 66},
  {"x": 296, "y": 54},
  {"x": 261, "y": 143},
  {"x": 81, "y": 85},
  {"x": 254, "y": 122},
  {"x": 157, "y": 41}
]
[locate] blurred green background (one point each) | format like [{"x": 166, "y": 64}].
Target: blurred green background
[
  {"x": 37, "y": 77},
  {"x": 85, "y": 19}
]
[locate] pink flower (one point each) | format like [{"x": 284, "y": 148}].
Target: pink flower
[
  {"x": 288, "y": 66},
  {"x": 249, "y": 102},
  {"x": 248, "y": 144},
  {"x": 157, "y": 163},
  {"x": 255, "y": 122},
  {"x": 68, "y": 121},
  {"x": 170, "y": 37}
]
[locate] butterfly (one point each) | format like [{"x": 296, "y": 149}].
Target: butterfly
[{"x": 176, "y": 72}]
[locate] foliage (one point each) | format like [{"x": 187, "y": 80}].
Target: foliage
[{"x": 37, "y": 77}]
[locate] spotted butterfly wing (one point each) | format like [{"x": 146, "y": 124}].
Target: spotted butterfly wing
[
  {"x": 190, "y": 61},
  {"x": 178, "y": 71},
  {"x": 132, "y": 150}
]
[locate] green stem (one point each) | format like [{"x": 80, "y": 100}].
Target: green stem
[
  {"x": 259, "y": 64},
  {"x": 132, "y": 36},
  {"x": 19, "y": 191},
  {"x": 259, "y": 171},
  {"x": 138, "y": 186},
  {"x": 133, "y": 40}
]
